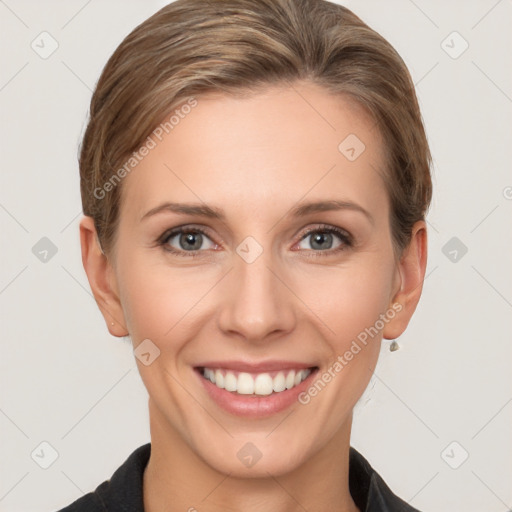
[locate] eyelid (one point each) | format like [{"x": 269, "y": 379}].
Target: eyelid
[
  {"x": 184, "y": 228},
  {"x": 329, "y": 229}
]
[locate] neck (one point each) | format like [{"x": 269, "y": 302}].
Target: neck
[{"x": 177, "y": 479}]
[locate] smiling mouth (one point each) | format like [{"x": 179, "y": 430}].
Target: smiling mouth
[{"x": 257, "y": 384}]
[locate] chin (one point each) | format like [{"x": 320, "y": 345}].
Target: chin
[{"x": 255, "y": 459}]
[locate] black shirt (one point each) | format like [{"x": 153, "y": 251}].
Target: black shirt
[{"x": 123, "y": 491}]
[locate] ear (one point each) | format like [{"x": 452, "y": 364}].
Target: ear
[
  {"x": 409, "y": 281},
  {"x": 101, "y": 278}
]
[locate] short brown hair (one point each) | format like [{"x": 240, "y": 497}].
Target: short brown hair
[{"x": 192, "y": 47}]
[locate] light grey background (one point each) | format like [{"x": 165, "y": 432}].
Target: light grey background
[{"x": 66, "y": 381}]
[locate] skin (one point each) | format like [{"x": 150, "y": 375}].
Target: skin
[{"x": 256, "y": 158}]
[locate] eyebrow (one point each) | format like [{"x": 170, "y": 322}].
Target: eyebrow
[
  {"x": 304, "y": 209},
  {"x": 300, "y": 210},
  {"x": 186, "y": 209}
]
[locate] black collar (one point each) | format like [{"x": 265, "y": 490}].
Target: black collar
[{"x": 123, "y": 491}]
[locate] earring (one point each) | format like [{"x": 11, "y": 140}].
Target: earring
[
  {"x": 394, "y": 346},
  {"x": 112, "y": 323}
]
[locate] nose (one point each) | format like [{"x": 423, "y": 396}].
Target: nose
[{"x": 257, "y": 304}]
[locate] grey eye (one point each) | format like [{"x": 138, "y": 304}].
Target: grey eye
[
  {"x": 321, "y": 240},
  {"x": 189, "y": 241}
]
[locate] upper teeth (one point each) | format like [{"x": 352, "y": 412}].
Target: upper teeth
[{"x": 259, "y": 384}]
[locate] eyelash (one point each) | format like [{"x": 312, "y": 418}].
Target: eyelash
[{"x": 345, "y": 237}]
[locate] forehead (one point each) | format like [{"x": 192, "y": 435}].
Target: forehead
[{"x": 261, "y": 151}]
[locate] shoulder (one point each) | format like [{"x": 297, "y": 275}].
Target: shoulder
[
  {"x": 368, "y": 489},
  {"x": 123, "y": 491}
]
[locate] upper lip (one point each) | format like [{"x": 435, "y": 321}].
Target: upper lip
[{"x": 261, "y": 367}]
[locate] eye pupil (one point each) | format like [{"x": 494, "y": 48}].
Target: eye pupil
[{"x": 320, "y": 239}]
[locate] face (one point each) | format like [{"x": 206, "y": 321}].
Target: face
[{"x": 284, "y": 263}]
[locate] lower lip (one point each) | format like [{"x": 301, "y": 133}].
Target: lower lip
[{"x": 251, "y": 406}]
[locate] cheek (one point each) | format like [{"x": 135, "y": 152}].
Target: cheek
[
  {"x": 160, "y": 302},
  {"x": 347, "y": 299}
]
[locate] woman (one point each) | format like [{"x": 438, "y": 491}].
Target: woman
[{"x": 254, "y": 178}]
